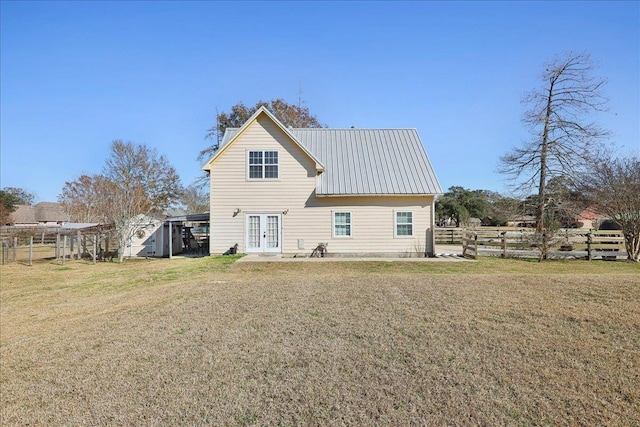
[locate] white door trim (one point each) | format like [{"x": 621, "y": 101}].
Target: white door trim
[{"x": 263, "y": 233}]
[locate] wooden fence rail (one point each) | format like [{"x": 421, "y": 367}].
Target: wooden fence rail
[{"x": 589, "y": 245}]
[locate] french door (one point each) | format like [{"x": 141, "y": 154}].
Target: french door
[{"x": 263, "y": 233}]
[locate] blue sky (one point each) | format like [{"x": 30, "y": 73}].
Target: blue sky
[{"x": 75, "y": 76}]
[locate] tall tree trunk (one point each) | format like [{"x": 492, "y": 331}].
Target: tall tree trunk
[{"x": 544, "y": 149}]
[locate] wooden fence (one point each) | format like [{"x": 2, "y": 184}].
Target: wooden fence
[
  {"x": 26, "y": 245},
  {"x": 608, "y": 245},
  {"x": 449, "y": 236}
]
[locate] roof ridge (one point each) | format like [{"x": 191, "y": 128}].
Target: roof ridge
[{"x": 352, "y": 129}]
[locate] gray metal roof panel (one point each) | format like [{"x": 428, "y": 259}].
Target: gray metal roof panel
[
  {"x": 366, "y": 161},
  {"x": 370, "y": 161}
]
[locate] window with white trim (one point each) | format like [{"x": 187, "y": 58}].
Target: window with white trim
[
  {"x": 404, "y": 224},
  {"x": 263, "y": 165},
  {"x": 342, "y": 224}
]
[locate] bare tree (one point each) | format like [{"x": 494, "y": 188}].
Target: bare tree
[
  {"x": 559, "y": 118},
  {"x": 136, "y": 183},
  {"x": 194, "y": 199},
  {"x": 86, "y": 199},
  {"x": 613, "y": 184},
  {"x": 142, "y": 184}
]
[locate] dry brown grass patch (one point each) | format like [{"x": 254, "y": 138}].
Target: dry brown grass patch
[{"x": 193, "y": 342}]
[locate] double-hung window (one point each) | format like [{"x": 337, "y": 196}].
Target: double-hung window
[
  {"x": 404, "y": 224},
  {"x": 342, "y": 224},
  {"x": 263, "y": 165}
]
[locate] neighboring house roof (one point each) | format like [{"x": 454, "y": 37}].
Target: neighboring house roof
[
  {"x": 591, "y": 213},
  {"x": 364, "y": 161},
  {"x": 24, "y": 214},
  {"x": 40, "y": 212},
  {"x": 50, "y": 212}
]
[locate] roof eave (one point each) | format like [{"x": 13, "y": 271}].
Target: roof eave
[{"x": 243, "y": 128}]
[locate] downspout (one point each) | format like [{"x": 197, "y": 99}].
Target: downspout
[{"x": 433, "y": 231}]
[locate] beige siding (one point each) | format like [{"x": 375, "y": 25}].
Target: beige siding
[{"x": 307, "y": 217}]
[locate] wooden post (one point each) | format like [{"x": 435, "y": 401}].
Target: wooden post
[
  {"x": 64, "y": 248},
  {"x": 42, "y": 239},
  {"x": 15, "y": 249},
  {"x": 95, "y": 247},
  {"x": 451, "y": 235},
  {"x": 3, "y": 251},
  {"x": 79, "y": 238},
  {"x": 30, "y": 251},
  {"x": 504, "y": 244},
  {"x": 170, "y": 240},
  {"x": 475, "y": 250},
  {"x": 589, "y": 242},
  {"x": 58, "y": 246}
]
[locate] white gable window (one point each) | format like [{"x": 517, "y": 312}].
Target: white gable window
[
  {"x": 404, "y": 224},
  {"x": 263, "y": 165},
  {"x": 342, "y": 224}
]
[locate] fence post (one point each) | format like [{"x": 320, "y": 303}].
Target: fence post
[
  {"x": 95, "y": 247},
  {"x": 589, "y": 241},
  {"x": 58, "y": 246},
  {"x": 15, "y": 249},
  {"x": 30, "y": 251},
  {"x": 79, "y": 241},
  {"x": 3, "y": 246},
  {"x": 504, "y": 244},
  {"x": 64, "y": 248},
  {"x": 475, "y": 249},
  {"x": 451, "y": 231}
]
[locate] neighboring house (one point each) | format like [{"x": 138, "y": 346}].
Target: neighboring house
[
  {"x": 522, "y": 221},
  {"x": 280, "y": 190},
  {"x": 590, "y": 217},
  {"x": 43, "y": 214}
]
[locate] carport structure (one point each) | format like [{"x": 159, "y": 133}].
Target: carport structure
[{"x": 195, "y": 232}]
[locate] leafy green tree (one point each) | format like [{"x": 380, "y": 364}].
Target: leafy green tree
[
  {"x": 22, "y": 196},
  {"x": 461, "y": 204},
  {"x": 10, "y": 197},
  {"x": 8, "y": 202},
  {"x": 292, "y": 115},
  {"x": 501, "y": 208}
]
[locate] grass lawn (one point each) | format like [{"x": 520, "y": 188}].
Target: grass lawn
[{"x": 211, "y": 342}]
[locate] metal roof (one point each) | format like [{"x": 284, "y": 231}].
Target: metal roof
[
  {"x": 366, "y": 161},
  {"x": 370, "y": 161}
]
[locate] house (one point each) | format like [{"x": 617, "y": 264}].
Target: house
[
  {"x": 42, "y": 214},
  {"x": 281, "y": 190},
  {"x": 522, "y": 221},
  {"x": 590, "y": 217}
]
